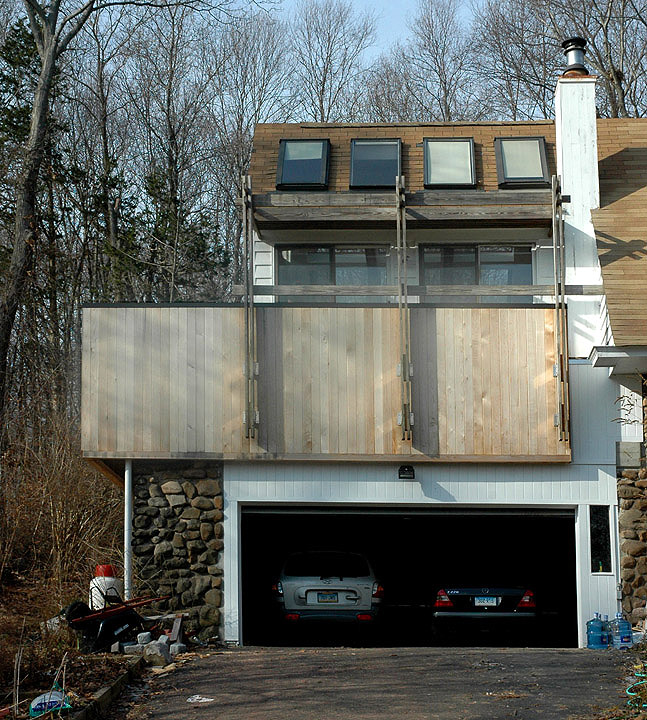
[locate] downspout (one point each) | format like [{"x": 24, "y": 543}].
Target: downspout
[{"x": 128, "y": 529}]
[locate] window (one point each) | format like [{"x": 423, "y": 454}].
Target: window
[
  {"x": 374, "y": 163},
  {"x": 303, "y": 165},
  {"x": 299, "y": 265},
  {"x": 600, "y": 538},
  {"x": 449, "y": 163},
  {"x": 521, "y": 162},
  {"x": 477, "y": 265}
]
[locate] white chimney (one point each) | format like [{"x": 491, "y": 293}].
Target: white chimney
[{"x": 577, "y": 165}]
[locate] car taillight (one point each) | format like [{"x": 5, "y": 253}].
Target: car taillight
[
  {"x": 528, "y": 600},
  {"x": 378, "y": 590},
  {"x": 292, "y": 616},
  {"x": 277, "y": 588},
  {"x": 442, "y": 600},
  {"x": 365, "y": 617}
]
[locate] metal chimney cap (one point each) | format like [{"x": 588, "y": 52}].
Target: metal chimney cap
[
  {"x": 573, "y": 43},
  {"x": 574, "y": 49}
]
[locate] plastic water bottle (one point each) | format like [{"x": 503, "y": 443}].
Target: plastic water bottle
[
  {"x": 596, "y": 635},
  {"x": 621, "y": 634},
  {"x": 606, "y": 629}
]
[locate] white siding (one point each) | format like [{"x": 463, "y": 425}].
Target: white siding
[{"x": 263, "y": 264}]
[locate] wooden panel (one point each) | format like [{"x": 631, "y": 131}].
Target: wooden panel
[
  {"x": 621, "y": 226},
  {"x": 328, "y": 380},
  {"x": 267, "y": 136},
  {"x": 164, "y": 382},
  {"x": 496, "y": 391}
]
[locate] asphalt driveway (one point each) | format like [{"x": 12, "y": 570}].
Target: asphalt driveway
[{"x": 390, "y": 683}]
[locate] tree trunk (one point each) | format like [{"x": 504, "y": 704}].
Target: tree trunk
[{"x": 26, "y": 224}]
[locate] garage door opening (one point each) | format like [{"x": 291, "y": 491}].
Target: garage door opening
[{"x": 414, "y": 553}]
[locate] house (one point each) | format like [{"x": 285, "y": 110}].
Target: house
[{"x": 419, "y": 368}]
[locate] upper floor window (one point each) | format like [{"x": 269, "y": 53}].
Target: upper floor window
[
  {"x": 299, "y": 265},
  {"x": 449, "y": 163},
  {"x": 303, "y": 165},
  {"x": 477, "y": 265},
  {"x": 374, "y": 163},
  {"x": 521, "y": 162}
]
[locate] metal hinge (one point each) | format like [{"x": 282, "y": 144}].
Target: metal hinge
[
  {"x": 400, "y": 418},
  {"x": 555, "y": 370},
  {"x": 556, "y": 420}
]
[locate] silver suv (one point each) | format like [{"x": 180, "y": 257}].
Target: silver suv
[{"x": 328, "y": 585}]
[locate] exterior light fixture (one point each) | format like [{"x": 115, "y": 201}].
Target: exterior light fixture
[{"x": 406, "y": 472}]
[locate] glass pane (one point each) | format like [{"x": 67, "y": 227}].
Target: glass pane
[
  {"x": 304, "y": 266},
  {"x": 303, "y": 163},
  {"x": 505, "y": 266},
  {"x": 375, "y": 163},
  {"x": 448, "y": 163},
  {"x": 449, "y": 266},
  {"x": 360, "y": 266},
  {"x": 521, "y": 159},
  {"x": 600, "y": 539}
]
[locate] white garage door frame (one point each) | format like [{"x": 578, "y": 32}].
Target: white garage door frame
[{"x": 358, "y": 486}]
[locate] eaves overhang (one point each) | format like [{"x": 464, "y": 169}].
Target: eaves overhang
[{"x": 629, "y": 360}]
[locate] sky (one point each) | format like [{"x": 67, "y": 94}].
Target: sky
[{"x": 391, "y": 19}]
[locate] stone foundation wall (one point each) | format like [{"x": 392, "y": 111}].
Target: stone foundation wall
[
  {"x": 177, "y": 540},
  {"x": 632, "y": 520}
]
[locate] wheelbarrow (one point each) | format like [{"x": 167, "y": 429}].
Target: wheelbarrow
[{"x": 100, "y": 629}]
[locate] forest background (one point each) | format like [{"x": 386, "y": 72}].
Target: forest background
[{"x": 131, "y": 185}]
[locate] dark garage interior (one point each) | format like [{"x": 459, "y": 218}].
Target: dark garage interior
[{"x": 414, "y": 552}]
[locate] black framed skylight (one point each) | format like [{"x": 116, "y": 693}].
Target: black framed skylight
[
  {"x": 521, "y": 162},
  {"x": 449, "y": 162},
  {"x": 374, "y": 163},
  {"x": 303, "y": 165}
]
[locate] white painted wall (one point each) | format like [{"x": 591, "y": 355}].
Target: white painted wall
[
  {"x": 263, "y": 266},
  {"x": 577, "y": 165}
]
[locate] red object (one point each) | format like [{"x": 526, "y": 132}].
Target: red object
[
  {"x": 365, "y": 617},
  {"x": 105, "y": 571},
  {"x": 442, "y": 600},
  {"x": 116, "y": 609},
  {"x": 292, "y": 616},
  {"x": 528, "y": 600}
]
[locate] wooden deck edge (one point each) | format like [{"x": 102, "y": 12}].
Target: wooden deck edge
[{"x": 96, "y": 456}]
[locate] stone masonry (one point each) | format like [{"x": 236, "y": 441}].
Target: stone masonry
[
  {"x": 177, "y": 540},
  {"x": 632, "y": 496}
]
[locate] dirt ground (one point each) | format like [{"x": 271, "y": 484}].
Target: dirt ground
[{"x": 385, "y": 683}]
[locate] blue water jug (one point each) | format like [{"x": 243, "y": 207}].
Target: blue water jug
[
  {"x": 596, "y": 634},
  {"x": 621, "y": 634}
]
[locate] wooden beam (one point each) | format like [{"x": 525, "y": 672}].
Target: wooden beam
[
  {"x": 442, "y": 198},
  {"x": 344, "y": 457},
  {"x": 419, "y": 290},
  {"x": 106, "y": 471}
]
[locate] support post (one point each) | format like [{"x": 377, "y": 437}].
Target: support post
[
  {"x": 561, "y": 327},
  {"x": 406, "y": 414},
  {"x": 128, "y": 530},
  {"x": 250, "y": 419}
]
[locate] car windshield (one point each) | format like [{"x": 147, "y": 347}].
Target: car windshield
[{"x": 326, "y": 564}]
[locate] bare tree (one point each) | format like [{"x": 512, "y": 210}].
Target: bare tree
[
  {"x": 251, "y": 87},
  {"x": 54, "y": 25},
  {"x": 329, "y": 39}
]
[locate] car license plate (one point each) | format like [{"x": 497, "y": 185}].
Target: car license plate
[
  {"x": 327, "y": 597},
  {"x": 486, "y": 601}
]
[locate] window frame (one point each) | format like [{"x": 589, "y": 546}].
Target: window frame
[
  {"x": 332, "y": 265},
  {"x": 352, "y": 185},
  {"x": 431, "y": 185},
  {"x": 608, "y": 539},
  {"x": 325, "y": 170},
  {"x": 478, "y": 246},
  {"x": 521, "y": 182}
]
